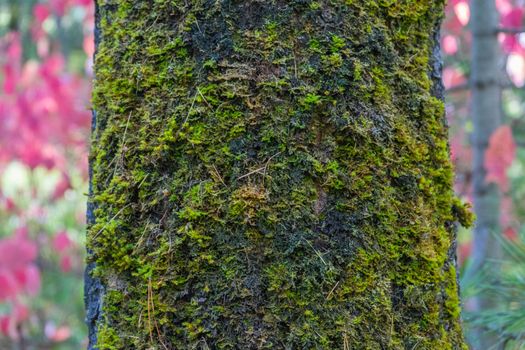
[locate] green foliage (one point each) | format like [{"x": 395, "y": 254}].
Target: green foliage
[
  {"x": 507, "y": 317},
  {"x": 298, "y": 190}
]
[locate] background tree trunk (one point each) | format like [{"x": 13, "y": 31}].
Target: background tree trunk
[
  {"x": 271, "y": 175},
  {"x": 486, "y": 111}
]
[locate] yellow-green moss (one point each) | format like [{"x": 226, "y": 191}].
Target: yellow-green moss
[{"x": 272, "y": 175}]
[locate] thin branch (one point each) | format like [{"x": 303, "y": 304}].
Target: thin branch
[
  {"x": 467, "y": 86},
  {"x": 330, "y": 294},
  {"x": 122, "y": 146},
  {"x": 458, "y": 88},
  {"x": 510, "y": 30},
  {"x": 261, "y": 170},
  {"x": 107, "y": 223}
]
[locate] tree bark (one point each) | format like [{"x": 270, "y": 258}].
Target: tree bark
[{"x": 271, "y": 175}]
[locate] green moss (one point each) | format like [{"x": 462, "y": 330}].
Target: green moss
[
  {"x": 108, "y": 339},
  {"x": 272, "y": 175}
]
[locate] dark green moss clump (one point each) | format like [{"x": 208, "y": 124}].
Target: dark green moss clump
[{"x": 272, "y": 175}]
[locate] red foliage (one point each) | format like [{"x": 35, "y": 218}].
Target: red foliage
[
  {"x": 44, "y": 122},
  {"x": 66, "y": 263},
  {"x": 504, "y": 6},
  {"x": 462, "y": 11},
  {"x": 18, "y": 271},
  {"x": 62, "y": 245},
  {"x": 464, "y": 251},
  {"x": 61, "y": 242},
  {"x": 9, "y": 323},
  {"x": 43, "y": 110},
  {"x": 499, "y": 156},
  {"x": 512, "y": 19},
  {"x": 459, "y": 14},
  {"x": 449, "y": 43},
  {"x": 57, "y": 334},
  {"x": 453, "y": 77}
]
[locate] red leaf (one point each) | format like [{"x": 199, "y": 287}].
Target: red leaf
[
  {"x": 8, "y": 327},
  {"x": 57, "y": 334},
  {"x": 9, "y": 205},
  {"x": 512, "y": 19},
  {"x": 462, "y": 11},
  {"x": 11, "y": 69},
  {"x": 510, "y": 233},
  {"x": 4, "y": 325},
  {"x": 499, "y": 156},
  {"x": 16, "y": 252},
  {"x": 62, "y": 186},
  {"x": 507, "y": 217},
  {"x": 453, "y": 77},
  {"x": 18, "y": 273},
  {"x": 503, "y": 6},
  {"x": 41, "y": 12},
  {"x": 59, "y": 6},
  {"x": 61, "y": 241},
  {"x": 89, "y": 45},
  {"x": 20, "y": 312},
  {"x": 464, "y": 251},
  {"x": 8, "y": 323},
  {"x": 29, "y": 278},
  {"x": 66, "y": 263},
  {"x": 8, "y": 285},
  {"x": 449, "y": 44}
]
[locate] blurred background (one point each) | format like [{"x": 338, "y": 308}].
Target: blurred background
[{"x": 45, "y": 76}]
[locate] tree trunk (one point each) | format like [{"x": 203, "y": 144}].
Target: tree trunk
[
  {"x": 486, "y": 118},
  {"x": 271, "y": 175}
]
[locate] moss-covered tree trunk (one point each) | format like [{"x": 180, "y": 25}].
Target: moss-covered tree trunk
[{"x": 271, "y": 174}]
